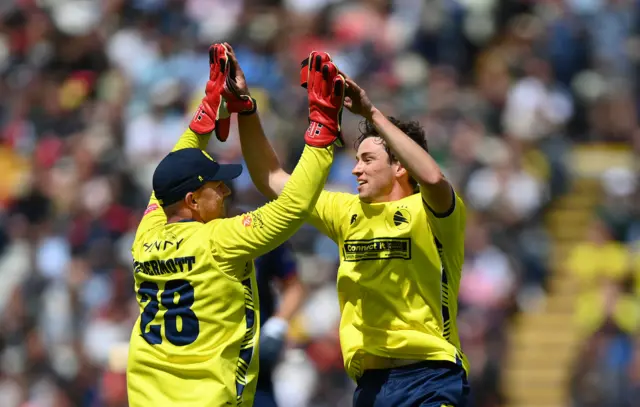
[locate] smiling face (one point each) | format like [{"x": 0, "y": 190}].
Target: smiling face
[{"x": 375, "y": 172}]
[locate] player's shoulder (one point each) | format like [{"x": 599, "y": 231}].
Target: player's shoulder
[
  {"x": 143, "y": 235},
  {"x": 413, "y": 203},
  {"x": 414, "y": 199},
  {"x": 338, "y": 205},
  {"x": 219, "y": 224},
  {"x": 343, "y": 198},
  {"x": 457, "y": 206}
]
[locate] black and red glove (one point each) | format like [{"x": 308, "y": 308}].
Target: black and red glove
[
  {"x": 237, "y": 102},
  {"x": 326, "y": 91},
  {"x": 237, "y": 96},
  {"x": 212, "y": 114}
]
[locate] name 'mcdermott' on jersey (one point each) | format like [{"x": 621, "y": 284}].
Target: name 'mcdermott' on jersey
[{"x": 195, "y": 340}]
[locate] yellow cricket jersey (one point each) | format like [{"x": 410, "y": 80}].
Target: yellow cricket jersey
[
  {"x": 195, "y": 340},
  {"x": 399, "y": 277}
]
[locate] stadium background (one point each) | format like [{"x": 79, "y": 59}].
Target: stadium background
[{"x": 531, "y": 107}]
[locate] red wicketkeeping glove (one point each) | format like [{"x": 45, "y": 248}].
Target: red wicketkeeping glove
[
  {"x": 211, "y": 114},
  {"x": 326, "y": 91}
]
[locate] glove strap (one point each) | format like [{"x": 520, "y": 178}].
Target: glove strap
[
  {"x": 304, "y": 72},
  {"x": 252, "y": 107}
]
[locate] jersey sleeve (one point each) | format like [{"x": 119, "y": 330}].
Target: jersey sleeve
[
  {"x": 154, "y": 215},
  {"x": 189, "y": 139},
  {"x": 448, "y": 227},
  {"x": 253, "y": 234},
  {"x": 329, "y": 213}
]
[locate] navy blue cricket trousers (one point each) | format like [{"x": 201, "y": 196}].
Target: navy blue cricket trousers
[{"x": 424, "y": 384}]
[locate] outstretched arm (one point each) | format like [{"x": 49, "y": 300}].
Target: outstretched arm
[
  {"x": 205, "y": 121},
  {"x": 262, "y": 162},
  {"x": 254, "y": 234},
  {"x": 436, "y": 190}
]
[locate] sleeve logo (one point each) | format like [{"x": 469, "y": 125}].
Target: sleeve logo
[
  {"x": 152, "y": 207},
  {"x": 246, "y": 221}
]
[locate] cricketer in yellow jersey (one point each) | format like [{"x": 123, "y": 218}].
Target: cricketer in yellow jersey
[
  {"x": 402, "y": 249},
  {"x": 197, "y": 333}
]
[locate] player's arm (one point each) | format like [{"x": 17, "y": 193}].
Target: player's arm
[
  {"x": 264, "y": 166},
  {"x": 435, "y": 189},
  {"x": 445, "y": 210},
  {"x": 253, "y": 234},
  {"x": 262, "y": 162},
  {"x": 204, "y": 122},
  {"x": 269, "y": 177}
]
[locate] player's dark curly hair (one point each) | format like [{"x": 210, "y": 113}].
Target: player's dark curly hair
[{"x": 413, "y": 129}]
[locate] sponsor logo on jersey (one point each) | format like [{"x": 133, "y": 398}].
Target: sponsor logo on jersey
[
  {"x": 246, "y": 221},
  {"x": 152, "y": 207},
  {"x": 377, "y": 249}
]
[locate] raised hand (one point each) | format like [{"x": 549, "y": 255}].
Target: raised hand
[
  {"x": 326, "y": 92},
  {"x": 205, "y": 119},
  {"x": 357, "y": 101},
  {"x": 236, "y": 92}
]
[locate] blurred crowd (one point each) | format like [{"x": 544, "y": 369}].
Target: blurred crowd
[{"x": 93, "y": 93}]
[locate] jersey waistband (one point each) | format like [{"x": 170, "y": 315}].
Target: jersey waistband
[
  {"x": 363, "y": 361},
  {"x": 370, "y": 362}
]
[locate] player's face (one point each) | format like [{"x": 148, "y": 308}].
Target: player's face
[
  {"x": 375, "y": 174},
  {"x": 210, "y": 200}
]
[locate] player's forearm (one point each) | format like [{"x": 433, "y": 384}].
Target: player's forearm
[
  {"x": 415, "y": 159},
  {"x": 292, "y": 296},
  {"x": 189, "y": 139},
  {"x": 262, "y": 162},
  {"x": 421, "y": 166}
]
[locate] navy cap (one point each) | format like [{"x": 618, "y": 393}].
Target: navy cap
[{"x": 186, "y": 170}]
